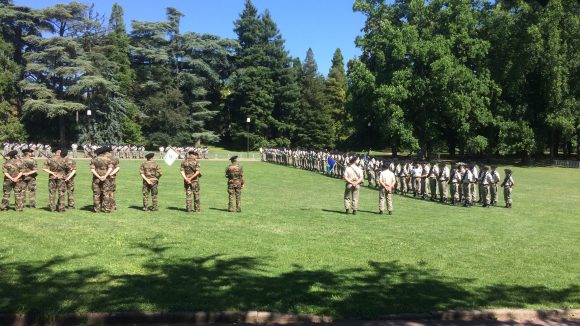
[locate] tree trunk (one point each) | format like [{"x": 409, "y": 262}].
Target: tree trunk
[
  {"x": 61, "y": 129},
  {"x": 394, "y": 151},
  {"x": 552, "y": 154}
]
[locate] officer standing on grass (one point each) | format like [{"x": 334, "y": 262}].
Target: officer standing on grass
[
  {"x": 235, "y": 176},
  {"x": 69, "y": 179},
  {"x": 191, "y": 172},
  {"x": 150, "y": 173},
  {"x": 55, "y": 168},
  {"x": 507, "y": 185},
  {"x": 386, "y": 186},
  {"x": 12, "y": 173},
  {"x": 28, "y": 179},
  {"x": 353, "y": 176},
  {"x": 101, "y": 167}
]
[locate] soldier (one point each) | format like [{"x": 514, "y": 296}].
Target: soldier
[
  {"x": 370, "y": 168},
  {"x": 486, "y": 181},
  {"x": 467, "y": 181},
  {"x": 402, "y": 174},
  {"x": 112, "y": 179},
  {"x": 454, "y": 185},
  {"x": 353, "y": 176},
  {"x": 507, "y": 185},
  {"x": 28, "y": 179},
  {"x": 55, "y": 168},
  {"x": 191, "y": 172},
  {"x": 416, "y": 173},
  {"x": 443, "y": 179},
  {"x": 74, "y": 150},
  {"x": 424, "y": 176},
  {"x": 12, "y": 172},
  {"x": 69, "y": 179},
  {"x": 387, "y": 184},
  {"x": 495, "y": 181},
  {"x": 101, "y": 167},
  {"x": 150, "y": 173},
  {"x": 161, "y": 151},
  {"x": 235, "y": 175},
  {"x": 473, "y": 187},
  {"x": 433, "y": 175}
]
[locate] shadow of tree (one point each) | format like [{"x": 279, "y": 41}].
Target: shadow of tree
[{"x": 219, "y": 282}]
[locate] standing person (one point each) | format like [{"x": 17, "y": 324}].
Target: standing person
[
  {"x": 353, "y": 176},
  {"x": 416, "y": 173},
  {"x": 191, "y": 172},
  {"x": 424, "y": 176},
  {"x": 507, "y": 185},
  {"x": 454, "y": 185},
  {"x": 55, "y": 168},
  {"x": 473, "y": 186},
  {"x": 74, "y": 148},
  {"x": 69, "y": 179},
  {"x": 112, "y": 179},
  {"x": 28, "y": 179},
  {"x": 235, "y": 175},
  {"x": 150, "y": 173},
  {"x": 387, "y": 184},
  {"x": 433, "y": 175},
  {"x": 12, "y": 172},
  {"x": 493, "y": 187},
  {"x": 443, "y": 179},
  {"x": 161, "y": 151},
  {"x": 467, "y": 181},
  {"x": 101, "y": 167},
  {"x": 370, "y": 168}
]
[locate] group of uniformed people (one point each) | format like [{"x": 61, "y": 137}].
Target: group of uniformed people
[
  {"x": 20, "y": 178},
  {"x": 436, "y": 181}
]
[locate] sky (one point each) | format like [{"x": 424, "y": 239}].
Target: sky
[{"x": 323, "y": 25}]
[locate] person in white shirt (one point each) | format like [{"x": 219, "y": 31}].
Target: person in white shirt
[
  {"x": 74, "y": 150},
  {"x": 161, "y": 151},
  {"x": 454, "y": 185},
  {"x": 353, "y": 176},
  {"x": 433, "y": 175},
  {"x": 486, "y": 181},
  {"x": 416, "y": 173},
  {"x": 473, "y": 185},
  {"x": 386, "y": 186}
]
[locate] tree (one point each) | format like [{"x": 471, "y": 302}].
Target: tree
[
  {"x": 336, "y": 89},
  {"x": 263, "y": 85},
  {"x": 11, "y": 129}
]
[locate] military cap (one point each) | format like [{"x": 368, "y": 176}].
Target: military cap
[
  {"x": 486, "y": 168},
  {"x": 192, "y": 152},
  {"x": 149, "y": 156},
  {"x": 27, "y": 150},
  {"x": 508, "y": 171},
  {"x": 99, "y": 150},
  {"x": 353, "y": 159},
  {"x": 233, "y": 158},
  {"x": 55, "y": 148},
  {"x": 63, "y": 152},
  {"x": 12, "y": 153},
  {"x": 107, "y": 149}
]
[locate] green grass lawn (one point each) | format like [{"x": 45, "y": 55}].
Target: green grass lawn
[{"x": 292, "y": 249}]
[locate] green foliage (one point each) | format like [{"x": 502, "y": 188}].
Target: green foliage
[
  {"x": 336, "y": 90},
  {"x": 11, "y": 128}
]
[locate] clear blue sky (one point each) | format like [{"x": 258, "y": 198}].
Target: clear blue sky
[{"x": 322, "y": 25}]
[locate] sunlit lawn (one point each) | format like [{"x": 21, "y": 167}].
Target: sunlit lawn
[{"x": 292, "y": 249}]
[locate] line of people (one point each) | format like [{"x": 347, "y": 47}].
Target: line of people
[
  {"x": 459, "y": 183},
  {"x": 20, "y": 178}
]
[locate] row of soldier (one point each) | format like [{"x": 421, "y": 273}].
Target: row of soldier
[
  {"x": 20, "y": 178},
  {"x": 118, "y": 151},
  {"x": 461, "y": 184}
]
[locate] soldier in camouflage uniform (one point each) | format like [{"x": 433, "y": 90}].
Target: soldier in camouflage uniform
[
  {"x": 28, "y": 179},
  {"x": 12, "y": 172},
  {"x": 191, "y": 172},
  {"x": 150, "y": 173},
  {"x": 55, "y": 168},
  {"x": 101, "y": 167},
  {"x": 112, "y": 179},
  {"x": 69, "y": 180},
  {"x": 235, "y": 175}
]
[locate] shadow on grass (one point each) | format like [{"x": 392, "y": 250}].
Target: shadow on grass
[
  {"x": 219, "y": 209},
  {"x": 87, "y": 208},
  {"x": 333, "y": 211},
  {"x": 178, "y": 209},
  {"x": 221, "y": 282}
]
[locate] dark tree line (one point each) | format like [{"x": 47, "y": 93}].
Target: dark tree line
[{"x": 456, "y": 76}]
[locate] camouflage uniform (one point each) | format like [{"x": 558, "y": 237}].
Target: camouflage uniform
[
  {"x": 235, "y": 175},
  {"x": 56, "y": 182},
  {"x": 152, "y": 171},
  {"x": 101, "y": 191},
  {"x": 12, "y": 167},
  {"x": 112, "y": 183},
  {"x": 29, "y": 182},
  {"x": 189, "y": 167},
  {"x": 70, "y": 165}
]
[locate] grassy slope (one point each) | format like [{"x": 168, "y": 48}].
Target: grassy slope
[{"x": 292, "y": 250}]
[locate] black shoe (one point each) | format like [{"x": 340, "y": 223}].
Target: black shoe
[
  {"x": 354, "y": 212},
  {"x": 390, "y": 212},
  {"x": 381, "y": 212},
  {"x": 346, "y": 211}
]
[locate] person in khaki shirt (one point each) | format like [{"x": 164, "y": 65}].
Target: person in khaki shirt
[
  {"x": 29, "y": 173},
  {"x": 386, "y": 186},
  {"x": 353, "y": 176}
]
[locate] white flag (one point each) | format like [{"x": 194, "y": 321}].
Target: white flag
[{"x": 170, "y": 156}]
